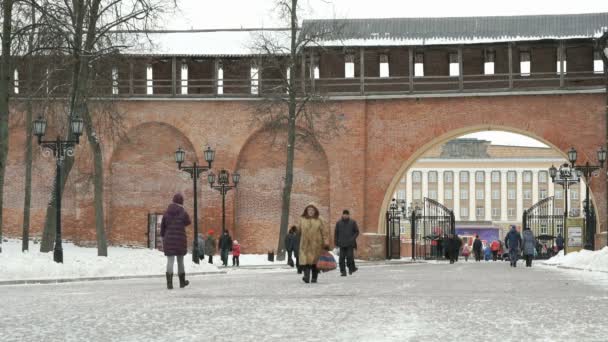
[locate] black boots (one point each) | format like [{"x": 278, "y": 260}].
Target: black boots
[
  {"x": 169, "y": 281},
  {"x": 306, "y": 277},
  {"x": 182, "y": 280},
  {"x": 315, "y": 274}
]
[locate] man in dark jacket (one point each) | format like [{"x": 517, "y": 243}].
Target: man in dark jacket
[
  {"x": 292, "y": 246},
  {"x": 453, "y": 247},
  {"x": 477, "y": 247},
  {"x": 513, "y": 243},
  {"x": 345, "y": 237},
  {"x": 559, "y": 242},
  {"x": 225, "y": 245}
]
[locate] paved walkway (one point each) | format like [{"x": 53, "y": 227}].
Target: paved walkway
[{"x": 462, "y": 302}]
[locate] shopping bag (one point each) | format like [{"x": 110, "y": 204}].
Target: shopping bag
[{"x": 326, "y": 262}]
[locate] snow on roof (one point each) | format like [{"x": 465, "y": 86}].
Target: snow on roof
[
  {"x": 463, "y": 30},
  {"x": 220, "y": 43}
]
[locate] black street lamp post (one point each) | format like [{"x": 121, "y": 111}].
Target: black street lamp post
[
  {"x": 588, "y": 171},
  {"x": 223, "y": 186},
  {"x": 194, "y": 171},
  {"x": 60, "y": 149},
  {"x": 565, "y": 176}
]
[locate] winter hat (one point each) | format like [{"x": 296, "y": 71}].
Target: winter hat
[
  {"x": 235, "y": 242},
  {"x": 178, "y": 199},
  {"x": 345, "y": 212},
  {"x": 210, "y": 232}
]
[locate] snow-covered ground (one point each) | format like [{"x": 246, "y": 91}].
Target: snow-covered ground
[
  {"x": 80, "y": 262},
  {"x": 584, "y": 260}
]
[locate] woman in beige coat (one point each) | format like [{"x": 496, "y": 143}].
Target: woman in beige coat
[{"x": 312, "y": 239}]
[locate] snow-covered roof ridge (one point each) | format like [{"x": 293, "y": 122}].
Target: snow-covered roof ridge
[{"x": 456, "y": 30}]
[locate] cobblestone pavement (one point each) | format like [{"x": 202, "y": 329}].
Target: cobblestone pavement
[{"x": 419, "y": 302}]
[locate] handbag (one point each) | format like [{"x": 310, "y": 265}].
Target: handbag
[{"x": 326, "y": 262}]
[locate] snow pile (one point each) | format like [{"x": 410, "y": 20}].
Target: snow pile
[
  {"x": 583, "y": 260},
  {"x": 80, "y": 262}
]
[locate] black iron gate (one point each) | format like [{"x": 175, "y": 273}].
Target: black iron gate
[
  {"x": 545, "y": 224},
  {"x": 153, "y": 232},
  {"x": 433, "y": 223},
  {"x": 394, "y": 215}
]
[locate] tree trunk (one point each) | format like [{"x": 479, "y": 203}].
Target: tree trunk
[
  {"x": 28, "y": 144},
  {"x": 5, "y": 77},
  {"x": 291, "y": 135}
]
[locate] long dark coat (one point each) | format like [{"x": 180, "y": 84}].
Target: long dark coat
[
  {"x": 477, "y": 246},
  {"x": 292, "y": 242},
  {"x": 173, "y": 230}
]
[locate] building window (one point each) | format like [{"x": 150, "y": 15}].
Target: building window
[
  {"x": 184, "y": 79},
  {"x": 511, "y": 176},
  {"x": 16, "y": 81},
  {"x": 488, "y": 65},
  {"x": 559, "y": 194},
  {"x": 464, "y": 194},
  {"x": 527, "y": 177},
  {"x": 495, "y": 212},
  {"x": 560, "y": 57},
  {"x": 255, "y": 79},
  {"x": 432, "y": 177},
  {"x": 403, "y": 180},
  {"x": 149, "y": 80},
  {"x": 433, "y": 194},
  {"x": 448, "y": 176},
  {"x": 349, "y": 66},
  {"x": 558, "y": 211},
  {"x": 511, "y": 194},
  {"x": 416, "y": 176},
  {"x": 480, "y": 176},
  {"x": 454, "y": 66},
  {"x": 543, "y": 228},
  {"x": 479, "y": 212},
  {"x": 598, "y": 63},
  {"x": 419, "y": 65},
  {"x": 560, "y": 228},
  {"x": 464, "y": 212},
  {"x": 315, "y": 72},
  {"x": 384, "y": 72},
  {"x": 447, "y": 194},
  {"x": 575, "y": 212},
  {"x": 573, "y": 194},
  {"x": 401, "y": 194},
  {"x": 220, "y": 80},
  {"x": 495, "y": 176},
  {"x": 511, "y": 212},
  {"x": 495, "y": 194},
  {"x": 416, "y": 194},
  {"x": 527, "y": 194},
  {"x": 542, "y": 194},
  {"x": 542, "y": 177},
  {"x": 524, "y": 63},
  {"x": 114, "y": 81},
  {"x": 479, "y": 194},
  {"x": 464, "y": 176}
]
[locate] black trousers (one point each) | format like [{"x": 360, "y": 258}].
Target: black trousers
[
  {"x": 494, "y": 255},
  {"x": 347, "y": 259},
  {"x": 529, "y": 259},
  {"x": 235, "y": 260},
  {"x": 477, "y": 255},
  {"x": 211, "y": 259}
]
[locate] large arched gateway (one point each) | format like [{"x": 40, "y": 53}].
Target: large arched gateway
[{"x": 397, "y": 96}]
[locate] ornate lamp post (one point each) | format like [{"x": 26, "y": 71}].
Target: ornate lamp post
[
  {"x": 194, "y": 171},
  {"x": 588, "y": 171},
  {"x": 565, "y": 176},
  {"x": 61, "y": 149},
  {"x": 223, "y": 186}
]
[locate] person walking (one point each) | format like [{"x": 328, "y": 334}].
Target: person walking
[
  {"x": 292, "y": 244},
  {"x": 477, "y": 248},
  {"x": 529, "y": 246},
  {"x": 236, "y": 253},
  {"x": 200, "y": 246},
  {"x": 466, "y": 251},
  {"x": 513, "y": 243},
  {"x": 453, "y": 248},
  {"x": 495, "y": 247},
  {"x": 312, "y": 240},
  {"x": 173, "y": 232},
  {"x": 559, "y": 241},
  {"x": 225, "y": 246},
  {"x": 345, "y": 237},
  {"x": 210, "y": 246}
]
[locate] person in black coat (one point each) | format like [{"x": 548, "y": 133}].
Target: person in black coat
[
  {"x": 292, "y": 246},
  {"x": 453, "y": 247},
  {"x": 345, "y": 237},
  {"x": 225, "y": 246},
  {"x": 559, "y": 242},
  {"x": 477, "y": 248}
]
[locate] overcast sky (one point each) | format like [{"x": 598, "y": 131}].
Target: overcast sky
[{"x": 256, "y": 13}]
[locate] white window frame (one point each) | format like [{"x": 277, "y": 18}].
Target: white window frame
[
  {"x": 495, "y": 212},
  {"x": 479, "y": 194},
  {"x": 454, "y": 66},
  {"x": 447, "y": 194},
  {"x": 184, "y": 79},
  {"x": 511, "y": 194},
  {"x": 559, "y": 194},
  {"x": 16, "y": 81},
  {"x": 464, "y": 176},
  {"x": 448, "y": 177},
  {"x": 480, "y": 212},
  {"x": 495, "y": 176},
  {"x": 511, "y": 177},
  {"x": 525, "y": 66},
  {"x": 495, "y": 194},
  {"x": 220, "y": 80},
  {"x": 254, "y": 75},
  {"x": 418, "y": 66},
  {"x": 464, "y": 212},
  {"x": 384, "y": 66},
  {"x": 349, "y": 66},
  {"x": 511, "y": 212},
  {"x": 527, "y": 177},
  {"x": 417, "y": 194},
  {"x": 573, "y": 194},
  {"x": 480, "y": 176},
  {"x": 565, "y": 63},
  {"x": 401, "y": 194},
  {"x": 527, "y": 194},
  {"x": 558, "y": 211},
  {"x": 488, "y": 65},
  {"x": 316, "y": 72},
  {"x": 542, "y": 177},
  {"x": 432, "y": 176},
  {"x": 543, "y": 193},
  {"x": 149, "y": 80},
  {"x": 416, "y": 177},
  {"x": 464, "y": 194},
  {"x": 433, "y": 194},
  {"x": 598, "y": 63}
]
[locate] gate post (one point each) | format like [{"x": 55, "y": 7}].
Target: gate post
[
  {"x": 413, "y": 233},
  {"x": 388, "y": 239}
]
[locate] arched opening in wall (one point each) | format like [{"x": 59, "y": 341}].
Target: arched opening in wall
[
  {"x": 489, "y": 181},
  {"x": 144, "y": 177},
  {"x": 261, "y": 164}
]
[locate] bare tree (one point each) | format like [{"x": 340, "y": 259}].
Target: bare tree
[
  {"x": 92, "y": 30},
  {"x": 289, "y": 105}
]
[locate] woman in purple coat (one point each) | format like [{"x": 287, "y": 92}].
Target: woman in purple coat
[{"x": 173, "y": 232}]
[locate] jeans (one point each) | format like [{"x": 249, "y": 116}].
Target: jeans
[
  {"x": 513, "y": 255},
  {"x": 180, "y": 264},
  {"x": 347, "y": 254}
]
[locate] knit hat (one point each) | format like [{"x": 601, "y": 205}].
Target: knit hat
[
  {"x": 210, "y": 232},
  {"x": 178, "y": 199},
  {"x": 235, "y": 242}
]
